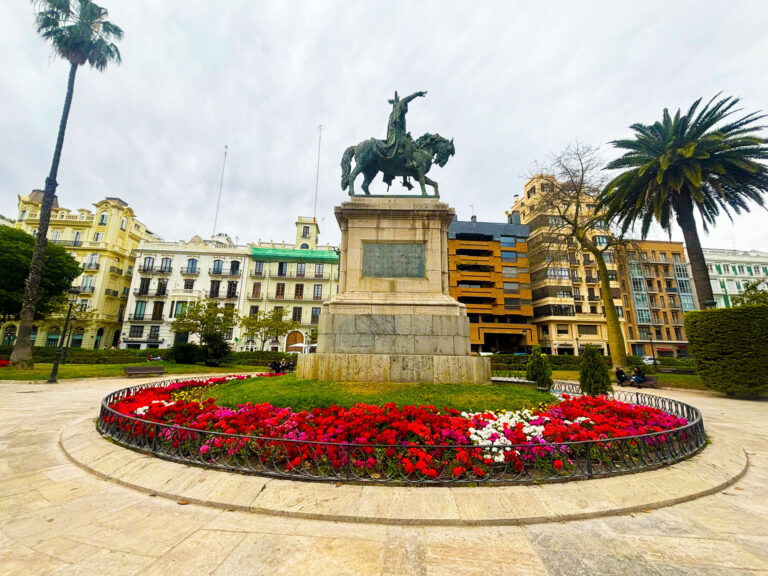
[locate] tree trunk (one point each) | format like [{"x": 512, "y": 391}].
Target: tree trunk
[
  {"x": 699, "y": 270},
  {"x": 21, "y": 357},
  {"x": 615, "y": 336}
]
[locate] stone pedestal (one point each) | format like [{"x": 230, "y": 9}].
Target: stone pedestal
[{"x": 393, "y": 318}]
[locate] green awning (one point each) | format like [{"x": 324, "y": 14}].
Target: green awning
[{"x": 290, "y": 255}]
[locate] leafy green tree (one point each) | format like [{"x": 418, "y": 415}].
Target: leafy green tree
[
  {"x": 211, "y": 322},
  {"x": 755, "y": 293},
  {"x": 594, "y": 377},
  {"x": 80, "y": 33},
  {"x": 702, "y": 161},
  {"x": 265, "y": 326},
  {"x": 58, "y": 272},
  {"x": 538, "y": 369}
]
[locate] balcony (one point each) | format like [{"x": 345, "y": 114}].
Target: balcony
[
  {"x": 254, "y": 296},
  {"x": 113, "y": 293},
  {"x": 593, "y": 298},
  {"x": 671, "y": 290},
  {"x": 146, "y": 317},
  {"x": 222, "y": 296},
  {"x": 189, "y": 271},
  {"x": 86, "y": 289},
  {"x": 91, "y": 266},
  {"x": 257, "y": 273},
  {"x": 115, "y": 270},
  {"x": 591, "y": 279},
  {"x": 578, "y": 298},
  {"x": 160, "y": 293},
  {"x": 155, "y": 269},
  {"x": 222, "y": 272},
  {"x": 141, "y": 292},
  {"x": 69, "y": 243}
]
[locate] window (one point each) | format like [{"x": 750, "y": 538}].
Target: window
[
  {"x": 509, "y": 272},
  {"x": 298, "y": 292},
  {"x": 165, "y": 265},
  {"x": 508, "y": 256},
  {"x": 218, "y": 266},
  {"x": 684, "y": 285},
  {"x": 620, "y": 311},
  {"x": 214, "y": 291},
  {"x": 253, "y": 311},
  {"x": 304, "y": 246},
  {"x": 144, "y": 286},
  {"x": 154, "y": 333},
  {"x": 562, "y": 329},
  {"x": 149, "y": 262},
  {"x": 97, "y": 236},
  {"x": 601, "y": 240},
  {"x": 22, "y": 214},
  {"x": 296, "y": 314},
  {"x": 258, "y": 268},
  {"x": 318, "y": 270},
  {"x": 742, "y": 270},
  {"x": 317, "y": 292},
  {"x": 180, "y": 307},
  {"x": 643, "y": 316},
  {"x": 162, "y": 286},
  {"x": 687, "y": 302},
  {"x": 511, "y": 287},
  {"x": 587, "y": 330},
  {"x": 189, "y": 284},
  {"x": 232, "y": 289},
  {"x": 315, "y": 315},
  {"x": 56, "y": 235},
  {"x": 123, "y": 224},
  {"x": 234, "y": 267},
  {"x": 508, "y": 241},
  {"x": 305, "y": 232},
  {"x": 138, "y": 313},
  {"x": 301, "y": 269},
  {"x": 103, "y": 219},
  {"x": 256, "y": 291},
  {"x": 136, "y": 332},
  {"x": 511, "y": 303},
  {"x": 280, "y": 291}
]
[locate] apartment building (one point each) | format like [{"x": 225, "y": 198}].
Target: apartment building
[
  {"x": 488, "y": 273},
  {"x": 731, "y": 270},
  {"x": 250, "y": 278},
  {"x": 102, "y": 240},
  {"x": 656, "y": 292},
  {"x": 296, "y": 277},
  {"x": 567, "y": 308}
]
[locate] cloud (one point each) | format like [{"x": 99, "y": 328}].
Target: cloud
[{"x": 511, "y": 82}]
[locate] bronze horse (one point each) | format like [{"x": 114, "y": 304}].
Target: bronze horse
[{"x": 415, "y": 161}]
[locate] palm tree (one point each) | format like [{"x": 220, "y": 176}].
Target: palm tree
[
  {"x": 688, "y": 163},
  {"x": 79, "y": 32}
]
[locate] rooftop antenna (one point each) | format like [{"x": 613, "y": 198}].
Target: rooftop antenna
[
  {"x": 317, "y": 174},
  {"x": 221, "y": 183}
]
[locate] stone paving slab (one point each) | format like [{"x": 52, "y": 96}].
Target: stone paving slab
[{"x": 718, "y": 466}]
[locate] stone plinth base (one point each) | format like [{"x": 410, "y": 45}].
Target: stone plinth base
[{"x": 394, "y": 368}]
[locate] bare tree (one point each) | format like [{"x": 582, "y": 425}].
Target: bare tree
[{"x": 565, "y": 203}]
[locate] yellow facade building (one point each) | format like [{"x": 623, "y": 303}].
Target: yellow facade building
[{"x": 103, "y": 241}]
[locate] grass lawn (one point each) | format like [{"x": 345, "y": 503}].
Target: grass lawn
[
  {"x": 306, "y": 394},
  {"x": 42, "y": 371},
  {"x": 686, "y": 381}
]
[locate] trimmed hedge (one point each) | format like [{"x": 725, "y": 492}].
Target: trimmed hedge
[
  {"x": 728, "y": 345},
  {"x": 259, "y": 358},
  {"x": 87, "y": 355},
  {"x": 515, "y": 362}
]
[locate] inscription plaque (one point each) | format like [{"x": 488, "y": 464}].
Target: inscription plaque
[{"x": 393, "y": 259}]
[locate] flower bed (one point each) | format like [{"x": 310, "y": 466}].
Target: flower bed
[{"x": 580, "y": 436}]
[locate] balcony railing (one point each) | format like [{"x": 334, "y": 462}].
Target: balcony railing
[
  {"x": 223, "y": 295},
  {"x": 91, "y": 266},
  {"x": 258, "y": 273},
  {"x": 671, "y": 290},
  {"x": 110, "y": 292},
  {"x": 190, "y": 271},
  {"x": 254, "y": 296},
  {"x": 155, "y": 269},
  {"x": 115, "y": 270},
  {"x": 222, "y": 272},
  {"x": 146, "y": 317},
  {"x": 86, "y": 289},
  {"x": 72, "y": 243},
  {"x": 591, "y": 280},
  {"x": 593, "y": 298}
]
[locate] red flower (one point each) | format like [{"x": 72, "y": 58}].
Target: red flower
[{"x": 557, "y": 464}]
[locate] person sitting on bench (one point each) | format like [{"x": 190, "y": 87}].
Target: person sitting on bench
[
  {"x": 638, "y": 376},
  {"x": 621, "y": 377}
]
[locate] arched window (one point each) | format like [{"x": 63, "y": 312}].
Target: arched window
[
  {"x": 192, "y": 265},
  {"x": 9, "y": 335},
  {"x": 304, "y": 246},
  {"x": 99, "y": 336},
  {"x": 165, "y": 265},
  {"x": 218, "y": 265},
  {"x": 77, "y": 339},
  {"x": 103, "y": 218},
  {"x": 149, "y": 262},
  {"x": 123, "y": 224},
  {"x": 234, "y": 267}
]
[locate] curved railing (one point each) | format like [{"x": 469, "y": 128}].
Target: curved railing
[{"x": 346, "y": 462}]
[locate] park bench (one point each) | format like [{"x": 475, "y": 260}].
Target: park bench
[
  {"x": 650, "y": 382},
  {"x": 143, "y": 370}
]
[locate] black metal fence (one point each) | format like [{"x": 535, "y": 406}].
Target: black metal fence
[{"x": 413, "y": 464}]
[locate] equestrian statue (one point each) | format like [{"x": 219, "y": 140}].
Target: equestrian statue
[{"x": 398, "y": 155}]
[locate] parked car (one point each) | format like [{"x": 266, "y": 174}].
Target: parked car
[{"x": 648, "y": 360}]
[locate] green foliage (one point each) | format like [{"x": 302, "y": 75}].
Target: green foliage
[
  {"x": 538, "y": 369},
  {"x": 756, "y": 293},
  {"x": 594, "y": 377},
  {"x": 260, "y": 358},
  {"x": 729, "y": 348},
  {"x": 59, "y": 271},
  {"x": 87, "y": 355},
  {"x": 186, "y": 353},
  {"x": 307, "y": 394},
  {"x": 216, "y": 348},
  {"x": 210, "y": 321},
  {"x": 265, "y": 326}
]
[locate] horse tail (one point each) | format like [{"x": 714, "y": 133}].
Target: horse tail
[{"x": 346, "y": 162}]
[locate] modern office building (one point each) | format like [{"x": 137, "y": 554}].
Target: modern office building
[
  {"x": 567, "y": 307},
  {"x": 731, "y": 270},
  {"x": 656, "y": 292},
  {"x": 251, "y": 278},
  {"x": 102, "y": 240},
  {"x": 488, "y": 273}
]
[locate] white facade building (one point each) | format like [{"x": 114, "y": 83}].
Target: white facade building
[{"x": 731, "y": 270}]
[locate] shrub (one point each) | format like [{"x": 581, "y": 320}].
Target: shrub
[
  {"x": 728, "y": 345},
  {"x": 259, "y": 358},
  {"x": 215, "y": 347},
  {"x": 594, "y": 378},
  {"x": 186, "y": 353},
  {"x": 86, "y": 355},
  {"x": 538, "y": 369}
]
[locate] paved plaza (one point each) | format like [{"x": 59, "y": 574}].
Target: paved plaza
[{"x": 59, "y": 514}]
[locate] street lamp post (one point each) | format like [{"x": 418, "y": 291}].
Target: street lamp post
[
  {"x": 653, "y": 352},
  {"x": 73, "y": 292}
]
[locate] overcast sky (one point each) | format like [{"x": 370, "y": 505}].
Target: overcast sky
[{"x": 511, "y": 82}]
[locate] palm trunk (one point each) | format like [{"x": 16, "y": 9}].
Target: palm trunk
[
  {"x": 21, "y": 357},
  {"x": 699, "y": 270},
  {"x": 615, "y": 336}
]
